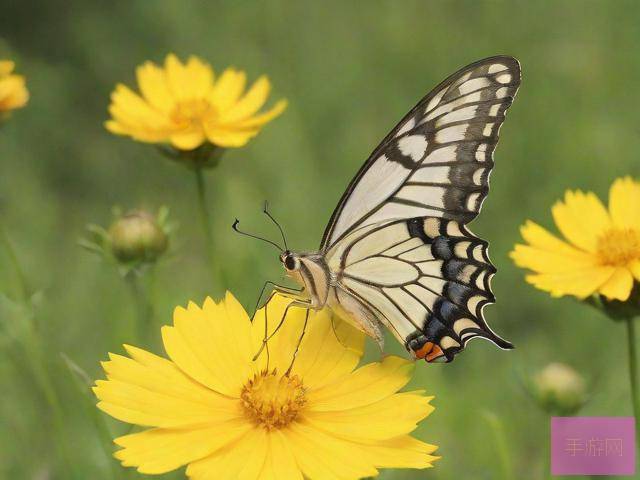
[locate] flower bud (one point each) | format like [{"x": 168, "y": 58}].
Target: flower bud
[
  {"x": 137, "y": 236},
  {"x": 559, "y": 389}
]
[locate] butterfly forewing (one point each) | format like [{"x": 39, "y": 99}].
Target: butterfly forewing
[
  {"x": 437, "y": 160},
  {"x": 398, "y": 240}
]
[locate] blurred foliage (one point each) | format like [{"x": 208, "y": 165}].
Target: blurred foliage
[{"x": 350, "y": 70}]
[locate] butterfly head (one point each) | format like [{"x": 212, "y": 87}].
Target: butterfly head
[{"x": 290, "y": 260}]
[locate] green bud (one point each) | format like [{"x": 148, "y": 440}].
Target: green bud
[
  {"x": 559, "y": 389},
  {"x": 137, "y": 236}
]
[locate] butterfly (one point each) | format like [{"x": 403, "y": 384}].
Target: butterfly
[{"x": 397, "y": 253}]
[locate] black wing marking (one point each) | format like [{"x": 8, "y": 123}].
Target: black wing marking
[{"x": 437, "y": 160}]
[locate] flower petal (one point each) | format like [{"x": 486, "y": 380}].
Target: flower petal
[
  {"x": 6, "y": 67},
  {"x": 263, "y": 118},
  {"x": 624, "y": 198},
  {"x": 400, "y": 452},
  {"x": 324, "y": 456},
  {"x": 579, "y": 283},
  {"x": 158, "y": 394},
  {"x": 252, "y": 101},
  {"x": 390, "y": 417},
  {"x": 619, "y": 286},
  {"x": 322, "y": 356},
  {"x": 211, "y": 346},
  {"x": 581, "y": 218},
  {"x": 228, "y": 138},
  {"x": 189, "y": 139},
  {"x": 227, "y": 90},
  {"x": 368, "y": 384},
  {"x": 280, "y": 462},
  {"x": 152, "y": 81},
  {"x": 243, "y": 459},
  {"x": 162, "y": 450},
  {"x": 635, "y": 269}
]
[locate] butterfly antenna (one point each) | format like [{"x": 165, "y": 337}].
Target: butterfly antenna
[
  {"x": 268, "y": 214},
  {"x": 235, "y": 227}
]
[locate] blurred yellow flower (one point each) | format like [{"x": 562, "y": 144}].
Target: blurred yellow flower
[
  {"x": 184, "y": 105},
  {"x": 602, "y": 251},
  {"x": 225, "y": 416},
  {"x": 13, "y": 90}
]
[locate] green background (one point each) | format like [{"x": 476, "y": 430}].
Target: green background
[{"x": 350, "y": 70}]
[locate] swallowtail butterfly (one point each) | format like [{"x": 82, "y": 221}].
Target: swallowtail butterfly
[{"x": 397, "y": 252}]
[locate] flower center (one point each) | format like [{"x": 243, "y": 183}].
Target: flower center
[
  {"x": 273, "y": 401},
  {"x": 618, "y": 246},
  {"x": 192, "y": 110}
]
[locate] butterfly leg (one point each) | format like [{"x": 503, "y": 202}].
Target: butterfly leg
[
  {"x": 295, "y": 353},
  {"x": 298, "y": 301},
  {"x": 275, "y": 286}
]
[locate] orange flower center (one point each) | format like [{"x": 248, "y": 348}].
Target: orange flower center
[
  {"x": 189, "y": 111},
  {"x": 618, "y": 246},
  {"x": 273, "y": 401}
]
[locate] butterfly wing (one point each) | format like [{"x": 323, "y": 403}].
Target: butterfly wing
[
  {"x": 398, "y": 240},
  {"x": 427, "y": 279},
  {"x": 437, "y": 160}
]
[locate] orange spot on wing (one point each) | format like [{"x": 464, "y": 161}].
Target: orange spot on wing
[
  {"x": 424, "y": 350},
  {"x": 435, "y": 353}
]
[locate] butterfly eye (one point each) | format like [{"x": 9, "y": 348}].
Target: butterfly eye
[{"x": 290, "y": 263}]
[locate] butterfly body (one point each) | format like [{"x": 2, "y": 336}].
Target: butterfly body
[{"x": 397, "y": 252}]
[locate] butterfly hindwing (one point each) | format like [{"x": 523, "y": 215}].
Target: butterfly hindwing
[
  {"x": 427, "y": 279},
  {"x": 436, "y": 162}
]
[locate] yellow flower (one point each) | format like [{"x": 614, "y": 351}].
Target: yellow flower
[
  {"x": 182, "y": 104},
  {"x": 214, "y": 409},
  {"x": 602, "y": 251},
  {"x": 13, "y": 91}
]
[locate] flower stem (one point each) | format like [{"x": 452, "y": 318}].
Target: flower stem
[
  {"x": 23, "y": 287},
  {"x": 205, "y": 217},
  {"x": 143, "y": 306},
  {"x": 633, "y": 370}
]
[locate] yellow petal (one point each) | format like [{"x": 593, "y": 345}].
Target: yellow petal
[
  {"x": 263, "y": 118},
  {"x": 158, "y": 394},
  {"x": 210, "y": 346},
  {"x": 153, "y": 86},
  {"x": 581, "y": 218},
  {"x": 162, "y": 450},
  {"x": 189, "y": 139},
  {"x": 228, "y": 138},
  {"x": 13, "y": 92},
  {"x": 624, "y": 198},
  {"x": 390, "y": 417},
  {"x": 550, "y": 262},
  {"x": 542, "y": 239},
  {"x": 634, "y": 267},
  {"x": 619, "y": 286},
  {"x": 243, "y": 459},
  {"x": 280, "y": 462},
  {"x": 6, "y": 67},
  {"x": 324, "y": 456},
  {"x": 227, "y": 89},
  {"x": 400, "y": 452},
  {"x": 579, "y": 283},
  {"x": 324, "y": 354},
  {"x": 253, "y": 100},
  {"x": 366, "y": 385},
  {"x": 200, "y": 77}
]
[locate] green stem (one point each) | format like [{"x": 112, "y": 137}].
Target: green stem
[
  {"x": 633, "y": 370},
  {"x": 143, "y": 306},
  {"x": 501, "y": 444},
  {"x": 34, "y": 353},
  {"x": 205, "y": 218},
  {"x": 23, "y": 287}
]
